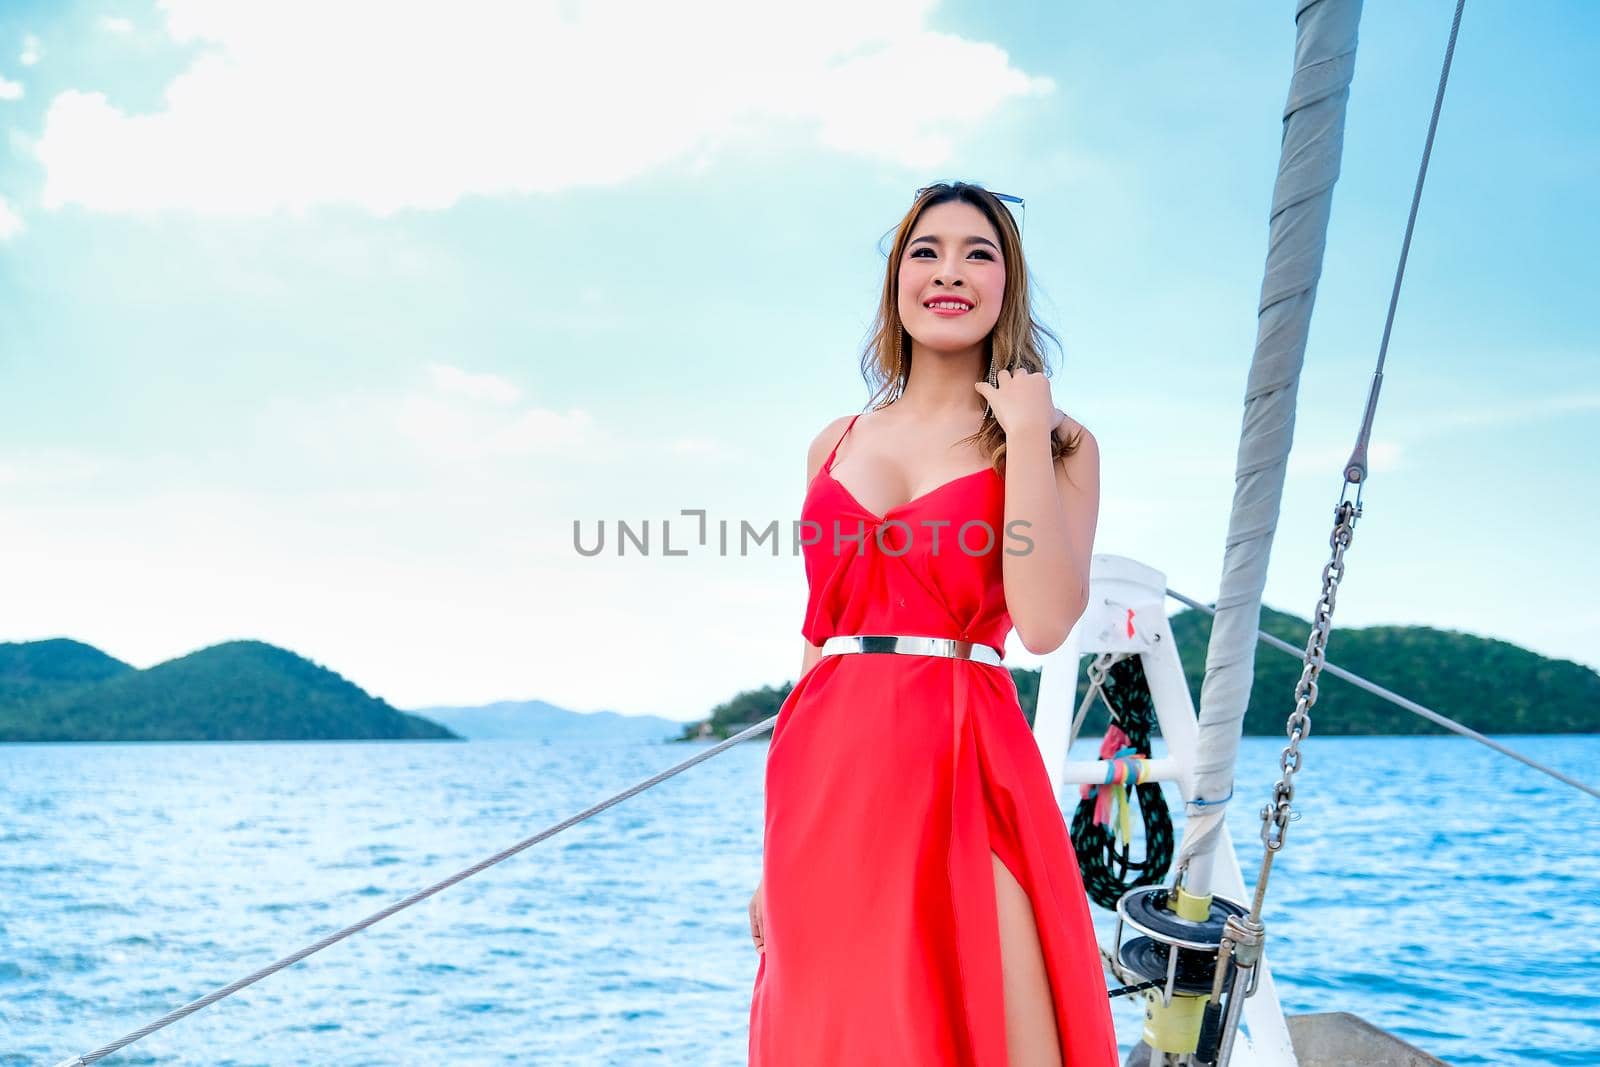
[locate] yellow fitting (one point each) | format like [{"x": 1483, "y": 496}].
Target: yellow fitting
[
  {"x": 1173, "y": 1027},
  {"x": 1194, "y": 909}
]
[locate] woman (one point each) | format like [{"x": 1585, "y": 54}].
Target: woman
[{"x": 920, "y": 902}]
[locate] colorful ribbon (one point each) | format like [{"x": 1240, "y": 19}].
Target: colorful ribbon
[{"x": 1125, "y": 769}]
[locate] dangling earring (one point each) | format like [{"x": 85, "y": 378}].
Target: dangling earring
[
  {"x": 899, "y": 362},
  {"x": 993, "y": 379}
]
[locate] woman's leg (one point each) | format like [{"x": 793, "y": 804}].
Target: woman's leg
[{"x": 1031, "y": 1036}]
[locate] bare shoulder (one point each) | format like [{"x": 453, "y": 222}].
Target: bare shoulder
[
  {"x": 823, "y": 443},
  {"x": 1085, "y": 458},
  {"x": 1071, "y": 428}
]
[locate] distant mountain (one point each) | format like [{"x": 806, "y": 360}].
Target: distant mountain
[
  {"x": 535, "y": 719},
  {"x": 30, "y": 670},
  {"x": 744, "y": 709},
  {"x": 1492, "y": 686},
  {"x": 62, "y": 690}
]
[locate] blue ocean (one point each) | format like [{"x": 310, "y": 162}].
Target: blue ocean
[{"x": 1430, "y": 885}]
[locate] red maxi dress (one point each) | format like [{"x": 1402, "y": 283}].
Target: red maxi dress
[{"x": 889, "y": 779}]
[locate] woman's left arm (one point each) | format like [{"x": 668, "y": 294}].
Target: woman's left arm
[{"x": 1051, "y": 510}]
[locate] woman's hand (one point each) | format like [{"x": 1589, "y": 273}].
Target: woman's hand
[
  {"x": 755, "y": 918},
  {"x": 1021, "y": 402}
]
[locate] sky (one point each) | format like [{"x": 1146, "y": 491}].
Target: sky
[{"x": 323, "y": 324}]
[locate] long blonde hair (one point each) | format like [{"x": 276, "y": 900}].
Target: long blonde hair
[{"x": 1016, "y": 342}]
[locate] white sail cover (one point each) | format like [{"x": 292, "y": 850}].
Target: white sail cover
[{"x": 1308, "y": 166}]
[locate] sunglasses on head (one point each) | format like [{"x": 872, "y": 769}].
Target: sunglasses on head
[{"x": 1014, "y": 204}]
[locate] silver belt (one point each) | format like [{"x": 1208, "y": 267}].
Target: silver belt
[{"x": 920, "y": 646}]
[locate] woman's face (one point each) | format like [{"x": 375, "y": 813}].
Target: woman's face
[{"x": 953, "y": 256}]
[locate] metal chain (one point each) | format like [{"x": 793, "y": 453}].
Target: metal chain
[
  {"x": 1276, "y": 815},
  {"x": 1244, "y": 939}
]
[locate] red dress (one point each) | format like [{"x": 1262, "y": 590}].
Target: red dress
[{"x": 889, "y": 778}]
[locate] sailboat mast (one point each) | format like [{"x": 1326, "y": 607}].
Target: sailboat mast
[{"x": 1302, "y": 199}]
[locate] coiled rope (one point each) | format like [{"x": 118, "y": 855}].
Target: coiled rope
[{"x": 1102, "y": 840}]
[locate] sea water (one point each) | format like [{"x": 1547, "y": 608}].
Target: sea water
[{"x": 1432, "y": 886}]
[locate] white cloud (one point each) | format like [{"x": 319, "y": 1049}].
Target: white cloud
[
  {"x": 10, "y": 90},
  {"x": 49, "y": 467},
  {"x": 387, "y": 107},
  {"x": 1444, "y": 420},
  {"x": 700, "y": 447},
  {"x": 115, "y": 24},
  {"x": 10, "y": 221},
  {"x": 449, "y": 431},
  {"x": 30, "y": 51},
  {"x": 457, "y": 421},
  {"x": 487, "y": 387}
]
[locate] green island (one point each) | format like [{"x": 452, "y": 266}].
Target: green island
[
  {"x": 1492, "y": 686},
  {"x": 65, "y": 690}
]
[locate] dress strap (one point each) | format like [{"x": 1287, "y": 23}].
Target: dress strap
[{"x": 828, "y": 465}]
